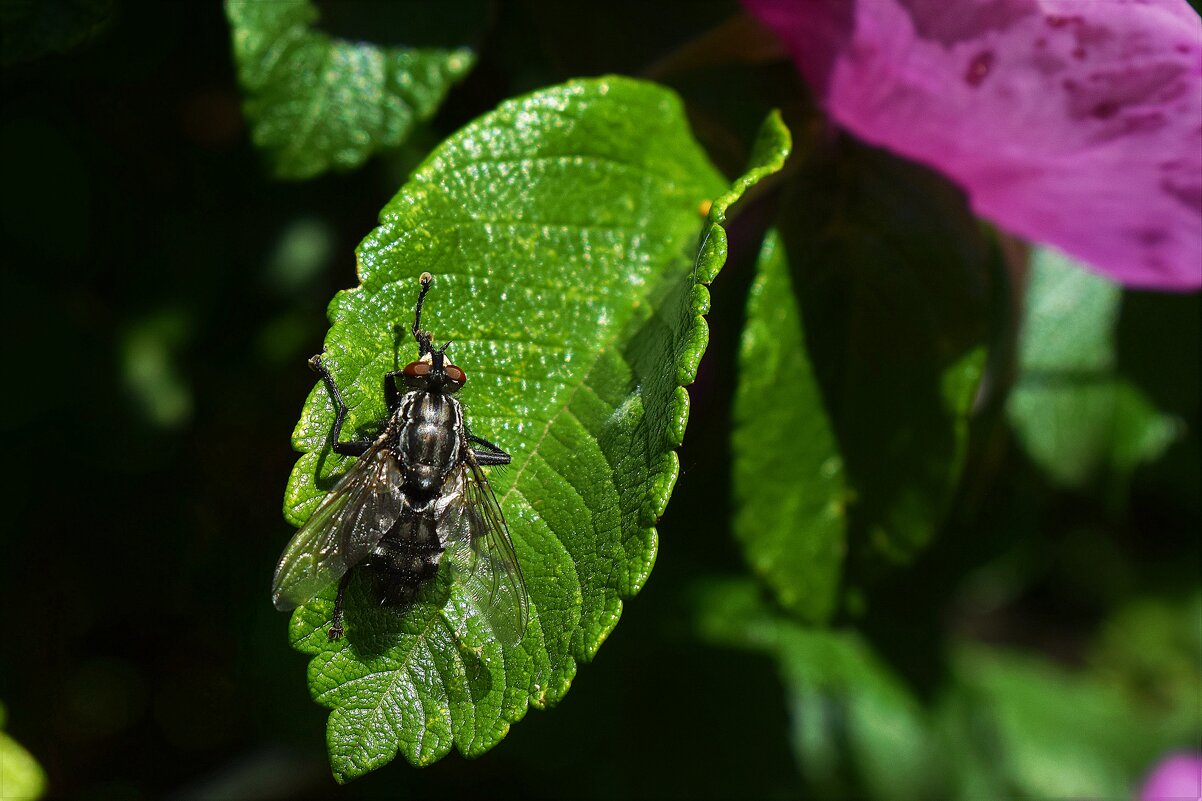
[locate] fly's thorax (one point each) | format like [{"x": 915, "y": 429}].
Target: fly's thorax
[{"x": 429, "y": 439}]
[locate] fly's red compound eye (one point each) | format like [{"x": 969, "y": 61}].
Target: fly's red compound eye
[
  {"x": 455, "y": 374},
  {"x": 417, "y": 370}
]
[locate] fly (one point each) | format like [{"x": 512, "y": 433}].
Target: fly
[{"x": 414, "y": 502}]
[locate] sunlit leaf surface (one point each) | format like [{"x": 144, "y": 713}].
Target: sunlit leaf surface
[{"x": 566, "y": 239}]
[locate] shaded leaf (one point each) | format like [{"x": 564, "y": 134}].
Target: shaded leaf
[
  {"x": 31, "y": 30},
  {"x": 892, "y": 273},
  {"x": 317, "y": 102},
  {"x": 1075, "y": 415},
  {"x": 563, "y": 232},
  {"x": 787, "y": 473}
]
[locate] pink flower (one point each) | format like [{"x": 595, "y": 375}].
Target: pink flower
[
  {"x": 1075, "y": 123},
  {"x": 1175, "y": 778}
]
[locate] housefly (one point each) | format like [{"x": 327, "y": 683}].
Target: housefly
[{"x": 414, "y": 502}]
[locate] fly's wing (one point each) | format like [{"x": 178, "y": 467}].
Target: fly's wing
[
  {"x": 342, "y": 531},
  {"x": 480, "y": 551}
]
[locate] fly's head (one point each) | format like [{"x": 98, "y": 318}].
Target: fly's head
[{"x": 432, "y": 371}]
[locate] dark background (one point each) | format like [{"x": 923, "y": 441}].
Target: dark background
[{"x": 157, "y": 327}]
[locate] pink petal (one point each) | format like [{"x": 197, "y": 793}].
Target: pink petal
[
  {"x": 1075, "y": 123},
  {"x": 1176, "y": 777}
]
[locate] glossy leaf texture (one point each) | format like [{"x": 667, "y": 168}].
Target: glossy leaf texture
[
  {"x": 317, "y": 102},
  {"x": 569, "y": 251},
  {"x": 787, "y": 473},
  {"x": 1076, "y": 415},
  {"x": 891, "y": 274}
]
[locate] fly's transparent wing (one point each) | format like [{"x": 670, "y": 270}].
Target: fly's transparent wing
[
  {"x": 342, "y": 531},
  {"x": 480, "y": 551}
]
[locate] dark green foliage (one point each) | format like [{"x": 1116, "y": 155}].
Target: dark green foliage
[
  {"x": 893, "y": 277},
  {"x": 922, "y": 502}
]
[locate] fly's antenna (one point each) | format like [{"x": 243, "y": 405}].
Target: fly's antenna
[
  {"x": 423, "y": 339},
  {"x": 440, "y": 354}
]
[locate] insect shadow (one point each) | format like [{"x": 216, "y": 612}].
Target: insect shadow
[{"x": 381, "y": 627}]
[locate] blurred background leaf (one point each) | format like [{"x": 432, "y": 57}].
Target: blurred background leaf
[
  {"x": 1016, "y": 725},
  {"x": 856, "y": 729},
  {"x": 1004, "y": 725},
  {"x": 31, "y": 29},
  {"x": 1077, "y": 417},
  {"x": 20, "y": 774}
]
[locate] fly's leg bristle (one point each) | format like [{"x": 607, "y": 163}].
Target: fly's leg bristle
[{"x": 336, "y": 630}]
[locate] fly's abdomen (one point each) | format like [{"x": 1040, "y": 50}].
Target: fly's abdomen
[
  {"x": 429, "y": 435},
  {"x": 406, "y": 558}
]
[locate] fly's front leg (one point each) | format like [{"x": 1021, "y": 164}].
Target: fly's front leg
[
  {"x": 355, "y": 448},
  {"x": 391, "y": 396},
  {"x": 491, "y": 455}
]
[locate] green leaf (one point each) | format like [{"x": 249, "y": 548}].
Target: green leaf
[
  {"x": 317, "y": 102},
  {"x": 1006, "y": 725},
  {"x": 20, "y": 774},
  {"x": 856, "y": 729},
  {"x": 892, "y": 273},
  {"x": 563, "y": 233},
  {"x": 1151, "y": 647},
  {"x": 1018, "y": 727},
  {"x": 787, "y": 473},
  {"x": 1075, "y": 415}
]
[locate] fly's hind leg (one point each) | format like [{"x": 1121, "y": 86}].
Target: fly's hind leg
[
  {"x": 355, "y": 448},
  {"x": 490, "y": 455},
  {"x": 336, "y": 622}
]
